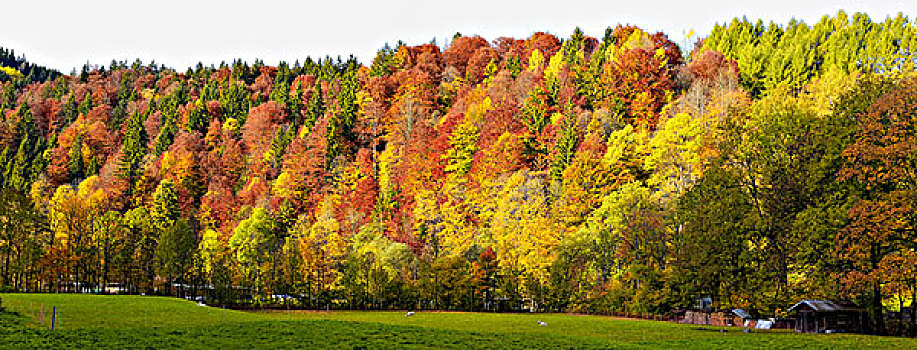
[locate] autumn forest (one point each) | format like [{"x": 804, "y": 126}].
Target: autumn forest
[{"x": 758, "y": 165}]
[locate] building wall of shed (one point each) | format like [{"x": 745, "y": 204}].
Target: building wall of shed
[
  {"x": 818, "y": 322},
  {"x": 722, "y": 319},
  {"x": 696, "y": 317}
]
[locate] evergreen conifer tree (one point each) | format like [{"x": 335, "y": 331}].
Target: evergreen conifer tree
[
  {"x": 316, "y": 106},
  {"x": 70, "y": 111},
  {"x": 133, "y": 150},
  {"x": 86, "y": 106},
  {"x": 76, "y": 158}
]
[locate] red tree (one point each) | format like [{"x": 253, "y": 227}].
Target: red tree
[{"x": 461, "y": 51}]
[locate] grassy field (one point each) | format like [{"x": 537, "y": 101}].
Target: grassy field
[
  {"x": 119, "y": 311},
  {"x": 153, "y": 322}
]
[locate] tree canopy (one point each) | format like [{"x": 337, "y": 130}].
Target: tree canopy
[{"x": 765, "y": 164}]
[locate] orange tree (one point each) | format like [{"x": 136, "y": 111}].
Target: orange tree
[{"x": 881, "y": 159}]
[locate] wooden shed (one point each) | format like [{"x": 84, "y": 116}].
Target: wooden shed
[
  {"x": 694, "y": 317},
  {"x": 825, "y": 316},
  {"x": 731, "y": 318}
]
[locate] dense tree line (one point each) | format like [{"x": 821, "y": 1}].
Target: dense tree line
[
  {"x": 614, "y": 174},
  {"x": 14, "y": 68}
]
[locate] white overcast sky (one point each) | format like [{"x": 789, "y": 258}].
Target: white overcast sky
[{"x": 66, "y": 34}]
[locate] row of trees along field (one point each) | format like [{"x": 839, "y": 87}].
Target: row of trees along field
[{"x": 613, "y": 174}]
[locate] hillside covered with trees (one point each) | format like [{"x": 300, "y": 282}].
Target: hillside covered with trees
[
  {"x": 18, "y": 69},
  {"x": 622, "y": 173}
]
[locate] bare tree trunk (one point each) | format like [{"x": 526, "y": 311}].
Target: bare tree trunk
[
  {"x": 914, "y": 310},
  {"x": 6, "y": 269},
  {"x": 876, "y": 310}
]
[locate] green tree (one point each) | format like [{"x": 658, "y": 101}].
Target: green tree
[
  {"x": 280, "y": 92},
  {"x": 70, "y": 111},
  {"x": 133, "y": 151},
  {"x": 86, "y": 105},
  {"x": 164, "y": 211},
  {"x": 125, "y": 95},
  {"x": 711, "y": 258},
  {"x": 384, "y": 62},
  {"x": 282, "y": 139},
  {"x": 565, "y": 147},
  {"x": 137, "y": 256},
  {"x": 168, "y": 123},
  {"x": 175, "y": 253},
  {"x": 234, "y": 101},
  {"x": 340, "y": 126},
  {"x": 316, "y": 108},
  {"x": 77, "y": 169},
  {"x": 249, "y": 243},
  {"x": 197, "y": 117},
  {"x": 23, "y": 228},
  {"x": 28, "y": 161},
  {"x": 296, "y": 105}
]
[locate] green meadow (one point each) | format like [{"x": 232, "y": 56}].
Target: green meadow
[{"x": 91, "y": 321}]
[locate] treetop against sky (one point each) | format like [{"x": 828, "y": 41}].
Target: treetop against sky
[{"x": 180, "y": 34}]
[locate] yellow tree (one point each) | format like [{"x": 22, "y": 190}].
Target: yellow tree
[
  {"x": 108, "y": 234},
  {"x": 589, "y": 177},
  {"x": 522, "y": 229},
  {"x": 323, "y": 249},
  {"x": 72, "y": 214},
  {"x": 249, "y": 243},
  {"x": 494, "y": 163},
  {"x": 628, "y": 234},
  {"x": 457, "y": 232},
  {"x": 674, "y": 159}
]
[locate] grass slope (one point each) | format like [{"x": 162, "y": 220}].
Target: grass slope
[
  {"x": 598, "y": 331},
  {"x": 150, "y": 322},
  {"x": 119, "y": 311}
]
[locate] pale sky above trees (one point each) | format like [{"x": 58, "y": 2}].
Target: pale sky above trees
[{"x": 180, "y": 33}]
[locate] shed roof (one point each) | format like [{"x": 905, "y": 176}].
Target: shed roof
[
  {"x": 825, "y": 306},
  {"x": 741, "y": 313}
]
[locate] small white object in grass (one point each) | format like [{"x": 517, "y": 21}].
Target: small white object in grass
[
  {"x": 540, "y": 323},
  {"x": 410, "y": 313},
  {"x": 201, "y": 304}
]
